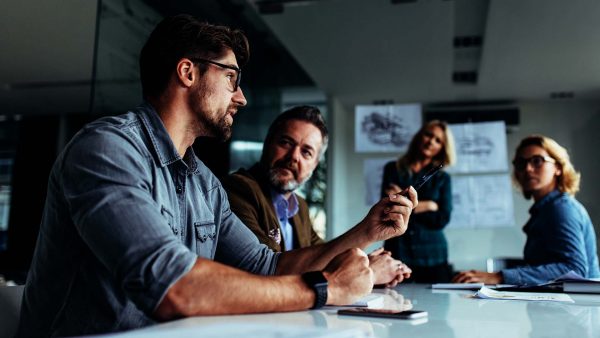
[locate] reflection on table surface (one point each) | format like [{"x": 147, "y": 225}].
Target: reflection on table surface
[{"x": 452, "y": 313}]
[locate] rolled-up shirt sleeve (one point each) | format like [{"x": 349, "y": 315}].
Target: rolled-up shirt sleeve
[
  {"x": 238, "y": 246},
  {"x": 109, "y": 195}
]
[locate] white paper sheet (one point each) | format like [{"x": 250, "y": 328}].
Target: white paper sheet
[
  {"x": 480, "y": 147},
  {"x": 481, "y": 201},
  {"x": 386, "y": 128},
  {"x": 487, "y": 293}
]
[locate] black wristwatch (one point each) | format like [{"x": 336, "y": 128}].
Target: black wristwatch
[{"x": 318, "y": 283}]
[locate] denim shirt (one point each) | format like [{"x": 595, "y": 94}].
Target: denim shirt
[
  {"x": 560, "y": 238},
  {"x": 125, "y": 218}
]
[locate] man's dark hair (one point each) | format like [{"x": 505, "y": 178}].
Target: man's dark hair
[
  {"x": 308, "y": 114},
  {"x": 182, "y": 36}
]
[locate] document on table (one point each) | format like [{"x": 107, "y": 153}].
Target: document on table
[
  {"x": 487, "y": 293},
  {"x": 572, "y": 282}
]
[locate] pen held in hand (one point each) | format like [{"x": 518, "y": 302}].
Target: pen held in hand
[{"x": 421, "y": 181}]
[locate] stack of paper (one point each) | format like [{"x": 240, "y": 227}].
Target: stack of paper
[
  {"x": 572, "y": 282},
  {"x": 487, "y": 293}
]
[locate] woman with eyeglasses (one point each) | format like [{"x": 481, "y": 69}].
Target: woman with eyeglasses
[
  {"x": 560, "y": 234},
  {"x": 423, "y": 247}
]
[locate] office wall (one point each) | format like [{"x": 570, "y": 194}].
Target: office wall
[
  {"x": 47, "y": 56},
  {"x": 573, "y": 124}
]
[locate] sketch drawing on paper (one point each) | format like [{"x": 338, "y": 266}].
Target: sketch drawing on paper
[
  {"x": 480, "y": 148},
  {"x": 476, "y": 145},
  {"x": 386, "y": 129}
]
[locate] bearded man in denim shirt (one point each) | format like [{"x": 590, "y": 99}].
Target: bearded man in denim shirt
[{"x": 137, "y": 230}]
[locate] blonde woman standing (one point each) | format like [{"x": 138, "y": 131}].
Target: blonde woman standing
[{"x": 424, "y": 247}]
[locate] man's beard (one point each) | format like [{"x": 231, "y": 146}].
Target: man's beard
[
  {"x": 219, "y": 129},
  {"x": 214, "y": 125},
  {"x": 283, "y": 185}
]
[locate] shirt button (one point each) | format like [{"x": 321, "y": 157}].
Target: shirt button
[{"x": 179, "y": 189}]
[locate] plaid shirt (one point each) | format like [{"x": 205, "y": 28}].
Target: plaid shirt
[{"x": 424, "y": 243}]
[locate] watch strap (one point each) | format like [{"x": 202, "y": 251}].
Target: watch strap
[{"x": 317, "y": 281}]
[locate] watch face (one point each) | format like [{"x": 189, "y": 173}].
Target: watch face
[{"x": 314, "y": 279}]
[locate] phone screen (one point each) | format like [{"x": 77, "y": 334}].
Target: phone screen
[{"x": 383, "y": 313}]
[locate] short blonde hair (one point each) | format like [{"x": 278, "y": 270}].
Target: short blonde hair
[
  {"x": 568, "y": 180},
  {"x": 446, "y": 156}
]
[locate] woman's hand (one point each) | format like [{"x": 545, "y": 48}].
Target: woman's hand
[
  {"x": 425, "y": 206},
  {"x": 474, "y": 276}
]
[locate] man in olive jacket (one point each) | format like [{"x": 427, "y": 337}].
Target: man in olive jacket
[{"x": 263, "y": 197}]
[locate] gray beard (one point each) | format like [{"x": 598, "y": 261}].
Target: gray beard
[{"x": 283, "y": 186}]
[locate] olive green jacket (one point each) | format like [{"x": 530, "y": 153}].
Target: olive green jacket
[{"x": 249, "y": 194}]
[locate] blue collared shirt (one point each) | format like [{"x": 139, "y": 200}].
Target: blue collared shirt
[
  {"x": 285, "y": 209},
  {"x": 560, "y": 237},
  {"x": 125, "y": 217}
]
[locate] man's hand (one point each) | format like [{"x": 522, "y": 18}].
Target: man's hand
[
  {"x": 349, "y": 277},
  {"x": 387, "y": 270},
  {"x": 474, "y": 276},
  {"x": 389, "y": 217},
  {"x": 392, "y": 189}
]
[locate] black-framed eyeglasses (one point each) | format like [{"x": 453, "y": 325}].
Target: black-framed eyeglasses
[
  {"x": 536, "y": 161},
  {"x": 235, "y": 82}
]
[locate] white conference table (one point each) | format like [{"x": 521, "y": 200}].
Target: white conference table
[{"x": 452, "y": 313}]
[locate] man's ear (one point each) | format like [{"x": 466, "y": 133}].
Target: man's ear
[{"x": 185, "y": 72}]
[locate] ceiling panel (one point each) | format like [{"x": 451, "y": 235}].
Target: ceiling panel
[
  {"x": 533, "y": 48},
  {"x": 371, "y": 51},
  {"x": 362, "y": 51}
]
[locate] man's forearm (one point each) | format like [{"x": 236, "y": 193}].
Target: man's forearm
[
  {"x": 212, "y": 288},
  {"x": 316, "y": 257},
  {"x": 386, "y": 219}
]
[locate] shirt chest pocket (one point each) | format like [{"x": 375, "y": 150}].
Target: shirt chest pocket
[
  {"x": 206, "y": 235},
  {"x": 170, "y": 217}
]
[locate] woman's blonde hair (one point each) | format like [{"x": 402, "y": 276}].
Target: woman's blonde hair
[
  {"x": 446, "y": 156},
  {"x": 568, "y": 180}
]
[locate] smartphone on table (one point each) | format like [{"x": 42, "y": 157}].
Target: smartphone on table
[{"x": 383, "y": 313}]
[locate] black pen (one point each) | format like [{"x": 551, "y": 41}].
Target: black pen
[{"x": 419, "y": 183}]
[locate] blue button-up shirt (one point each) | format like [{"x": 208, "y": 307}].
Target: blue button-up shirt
[
  {"x": 560, "y": 237},
  {"x": 285, "y": 209},
  {"x": 125, "y": 217}
]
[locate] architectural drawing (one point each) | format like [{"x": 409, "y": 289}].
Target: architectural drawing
[
  {"x": 386, "y": 128},
  {"x": 480, "y": 148}
]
